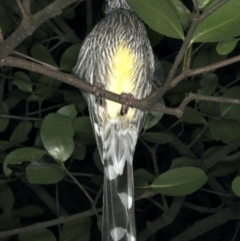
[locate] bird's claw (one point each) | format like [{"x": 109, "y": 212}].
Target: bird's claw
[
  {"x": 127, "y": 102},
  {"x": 99, "y": 92}
]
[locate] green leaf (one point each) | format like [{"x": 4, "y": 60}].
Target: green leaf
[
  {"x": 84, "y": 132},
  {"x": 46, "y": 87},
  {"x": 74, "y": 97},
  {"x": 210, "y": 151},
  {"x": 227, "y": 46},
  {"x": 69, "y": 58},
  {"x": 41, "y": 53},
  {"x": 222, "y": 168},
  {"x": 209, "y": 84},
  {"x": 182, "y": 12},
  {"x": 159, "y": 15},
  {"x": 4, "y": 121},
  {"x": 57, "y": 135},
  {"x": 203, "y": 3},
  {"x": 97, "y": 160},
  {"x": 192, "y": 116},
  {"x": 6, "y": 198},
  {"x": 37, "y": 235},
  {"x": 154, "y": 37},
  {"x": 153, "y": 117},
  {"x": 21, "y": 131},
  {"x": 71, "y": 231},
  {"x": 8, "y": 222},
  {"x": 211, "y": 109},
  {"x": 4, "y": 20},
  {"x": 142, "y": 177},
  {"x": 220, "y": 25},
  {"x": 20, "y": 155},
  {"x": 22, "y": 81},
  {"x": 224, "y": 130},
  {"x": 231, "y": 111},
  {"x": 80, "y": 151},
  {"x": 180, "y": 181},
  {"x": 155, "y": 137},
  {"x": 185, "y": 162},
  {"x": 206, "y": 56},
  {"x": 44, "y": 173},
  {"x": 236, "y": 186},
  {"x": 68, "y": 110},
  {"x": 28, "y": 211},
  {"x": 68, "y": 13}
]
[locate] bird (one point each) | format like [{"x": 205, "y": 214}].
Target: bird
[{"x": 117, "y": 56}]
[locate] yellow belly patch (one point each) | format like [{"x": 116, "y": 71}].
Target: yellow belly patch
[{"x": 122, "y": 78}]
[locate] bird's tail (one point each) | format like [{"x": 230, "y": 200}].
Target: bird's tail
[{"x": 118, "y": 197}]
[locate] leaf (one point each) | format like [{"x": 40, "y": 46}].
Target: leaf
[
  {"x": 6, "y": 198},
  {"x": 179, "y": 181},
  {"x": 4, "y": 20},
  {"x": 37, "y": 235},
  {"x": 226, "y": 24},
  {"x": 236, "y": 186},
  {"x": 209, "y": 84},
  {"x": 226, "y": 46},
  {"x": 223, "y": 168},
  {"x": 142, "y": 177},
  {"x": 155, "y": 137},
  {"x": 46, "y": 87},
  {"x": 231, "y": 111},
  {"x": 20, "y": 155},
  {"x": 80, "y": 151},
  {"x": 28, "y": 211},
  {"x": 211, "y": 109},
  {"x": 8, "y": 222},
  {"x": 193, "y": 117},
  {"x": 97, "y": 160},
  {"x": 206, "y": 56},
  {"x": 224, "y": 130},
  {"x": 69, "y": 58},
  {"x": 57, "y": 136},
  {"x": 44, "y": 173},
  {"x": 74, "y": 97},
  {"x": 158, "y": 15},
  {"x": 68, "y": 13},
  {"x": 4, "y": 121},
  {"x": 182, "y": 12},
  {"x": 211, "y": 151},
  {"x": 71, "y": 231},
  {"x": 154, "y": 37},
  {"x": 185, "y": 161},
  {"x": 203, "y": 3},
  {"x": 68, "y": 110},
  {"x": 41, "y": 53},
  {"x": 153, "y": 117},
  {"x": 22, "y": 81},
  {"x": 84, "y": 131},
  {"x": 21, "y": 131}
]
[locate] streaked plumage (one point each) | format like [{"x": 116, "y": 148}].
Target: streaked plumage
[{"x": 117, "y": 54}]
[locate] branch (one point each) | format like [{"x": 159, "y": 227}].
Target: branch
[
  {"x": 196, "y": 19},
  {"x": 29, "y": 24},
  {"x": 22, "y": 9},
  {"x": 163, "y": 221},
  {"x": 220, "y": 155},
  {"x": 47, "y": 224},
  {"x": 207, "y": 224}
]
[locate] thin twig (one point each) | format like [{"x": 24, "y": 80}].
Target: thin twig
[
  {"x": 78, "y": 184},
  {"x": 22, "y": 9}
]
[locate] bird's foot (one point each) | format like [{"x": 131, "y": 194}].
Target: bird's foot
[
  {"x": 127, "y": 102},
  {"x": 99, "y": 92}
]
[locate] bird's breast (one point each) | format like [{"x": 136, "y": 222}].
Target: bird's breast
[{"x": 122, "y": 77}]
